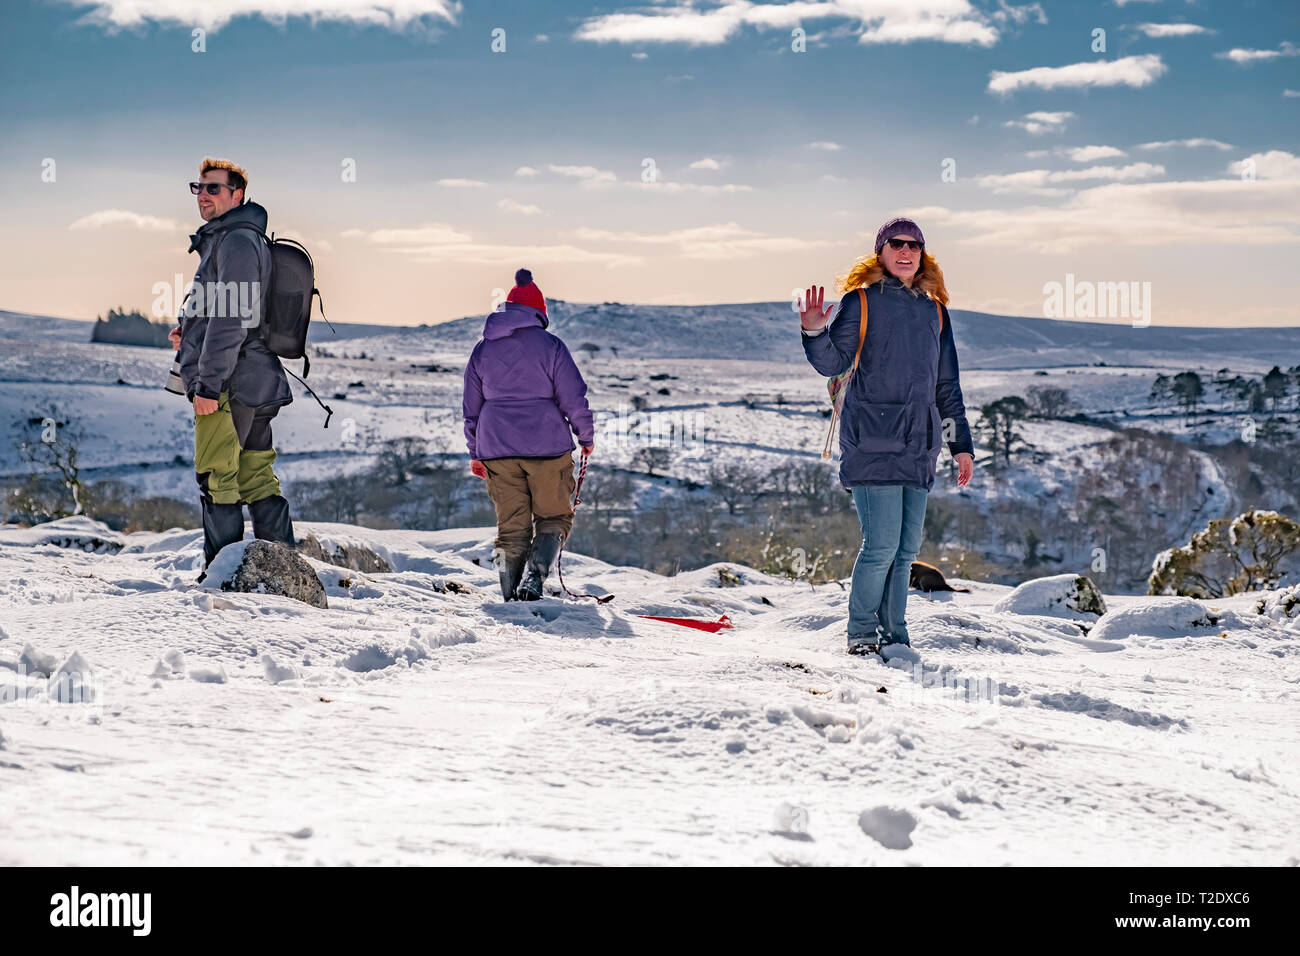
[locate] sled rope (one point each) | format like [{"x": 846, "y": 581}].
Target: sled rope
[{"x": 559, "y": 558}]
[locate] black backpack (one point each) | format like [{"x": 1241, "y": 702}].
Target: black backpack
[{"x": 286, "y": 303}]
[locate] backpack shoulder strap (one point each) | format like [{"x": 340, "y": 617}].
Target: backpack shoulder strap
[
  {"x": 241, "y": 225},
  {"x": 939, "y": 308},
  {"x": 221, "y": 236},
  {"x": 862, "y": 325}
]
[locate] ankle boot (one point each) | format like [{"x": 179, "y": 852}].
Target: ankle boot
[
  {"x": 546, "y": 547},
  {"x": 510, "y": 567}
]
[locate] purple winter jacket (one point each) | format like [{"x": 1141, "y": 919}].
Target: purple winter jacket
[{"x": 523, "y": 391}]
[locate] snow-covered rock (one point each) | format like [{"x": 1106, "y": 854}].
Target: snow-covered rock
[
  {"x": 1282, "y": 606},
  {"x": 1071, "y": 596},
  {"x": 77, "y": 532},
  {"x": 265, "y": 567},
  {"x": 351, "y": 555},
  {"x": 1161, "y": 617}
]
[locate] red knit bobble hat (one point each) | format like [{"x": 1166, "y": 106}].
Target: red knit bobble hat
[{"x": 526, "y": 292}]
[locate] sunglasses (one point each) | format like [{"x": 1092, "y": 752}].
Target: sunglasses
[
  {"x": 212, "y": 188},
  {"x": 909, "y": 244}
]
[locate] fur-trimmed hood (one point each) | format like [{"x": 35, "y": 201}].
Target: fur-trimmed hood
[{"x": 870, "y": 269}]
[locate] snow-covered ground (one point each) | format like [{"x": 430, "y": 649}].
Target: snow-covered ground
[{"x": 411, "y": 722}]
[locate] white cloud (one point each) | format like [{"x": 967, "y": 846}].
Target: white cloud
[
  {"x": 1291, "y": 92},
  {"x": 1038, "y": 180},
  {"x": 390, "y": 14},
  {"x": 113, "y": 218},
  {"x": 590, "y": 175},
  {"x": 1239, "y": 55},
  {"x": 437, "y": 242},
  {"x": 1275, "y": 164},
  {"x": 1018, "y": 15},
  {"x": 908, "y": 28},
  {"x": 1160, "y": 30},
  {"x": 714, "y": 22},
  {"x": 1118, "y": 173},
  {"x": 1087, "y": 154},
  {"x": 461, "y": 183},
  {"x": 671, "y": 187},
  {"x": 1042, "y": 122},
  {"x": 1136, "y": 71},
  {"x": 707, "y": 162},
  {"x": 826, "y": 146},
  {"x": 523, "y": 209},
  {"x": 640, "y": 55},
  {"x": 722, "y": 241},
  {"x": 1215, "y": 212},
  {"x": 429, "y": 233},
  {"x": 525, "y": 171},
  {"x": 1190, "y": 143}
]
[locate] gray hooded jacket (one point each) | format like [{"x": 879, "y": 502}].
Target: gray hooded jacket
[{"x": 221, "y": 348}]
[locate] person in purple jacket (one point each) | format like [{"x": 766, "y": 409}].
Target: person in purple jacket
[{"x": 523, "y": 397}]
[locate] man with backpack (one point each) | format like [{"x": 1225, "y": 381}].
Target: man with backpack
[{"x": 236, "y": 383}]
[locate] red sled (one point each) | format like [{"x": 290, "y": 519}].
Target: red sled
[{"x": 711, "y": 626}]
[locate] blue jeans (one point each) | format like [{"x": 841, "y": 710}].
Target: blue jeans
[{"x": 892, "y": 518}]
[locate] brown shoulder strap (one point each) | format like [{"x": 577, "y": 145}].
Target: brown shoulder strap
[{"x": 862, "y": 326}]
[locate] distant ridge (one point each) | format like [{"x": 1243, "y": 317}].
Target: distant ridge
[{"x": 768, "y": 331}]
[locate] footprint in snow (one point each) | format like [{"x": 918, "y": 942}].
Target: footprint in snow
[{"x": 891, "y": 827}]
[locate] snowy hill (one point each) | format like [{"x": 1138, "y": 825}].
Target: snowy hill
[{"x": 413, "y": 722}]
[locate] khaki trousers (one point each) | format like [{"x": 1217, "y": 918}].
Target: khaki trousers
[{"x": 531, "y": 496}]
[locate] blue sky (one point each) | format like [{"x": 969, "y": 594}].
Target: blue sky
[{"x": 773, "y": 167}]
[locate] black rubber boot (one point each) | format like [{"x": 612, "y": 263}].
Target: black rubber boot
[
  {"x": 511, "y": 569},
  {"x": 271, "y": 519},
  {"x": 546, "y": 547},
  {"x": 222, "y": 525}
]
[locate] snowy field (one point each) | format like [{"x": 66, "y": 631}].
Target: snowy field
[{"x": 414, "y": 721}]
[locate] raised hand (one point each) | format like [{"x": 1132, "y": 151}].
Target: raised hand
[{"x": 811, "y": 316}]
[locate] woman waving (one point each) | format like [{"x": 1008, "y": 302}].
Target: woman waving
[{"x": 892, "y": 330}]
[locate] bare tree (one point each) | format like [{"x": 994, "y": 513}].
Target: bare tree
[
  {"x": 399, "y": 456},
  {"x": 997, "y": 425},
  {"x": 52, "y": 444},
  {"x": 652, "y": 458},
  {"x": 1049, "y": 401}
]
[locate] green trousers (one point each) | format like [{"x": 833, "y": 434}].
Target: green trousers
[{"x": 229, "y": 454}]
